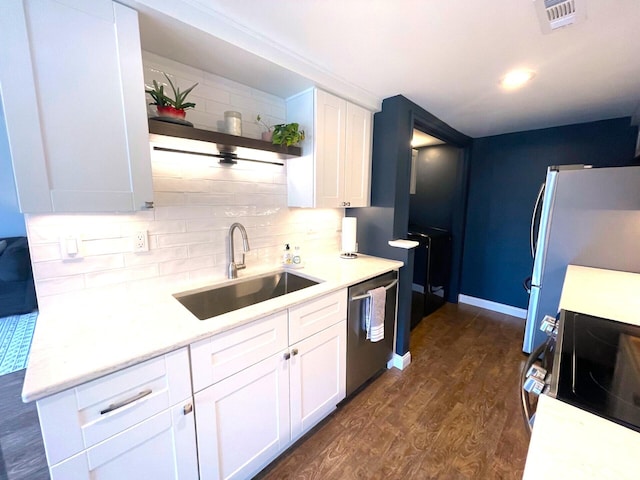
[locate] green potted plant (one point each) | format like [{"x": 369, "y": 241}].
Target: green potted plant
[
  {"x": 170, "y": 107},
  {"x": 287, "y": 134},
  {"x": 268, "y": 133}
]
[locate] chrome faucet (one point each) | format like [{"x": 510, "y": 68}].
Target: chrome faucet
[{"x": 233, "y": 266}]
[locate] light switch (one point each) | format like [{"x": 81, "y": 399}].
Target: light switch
[{"x": 70, "y": 247}]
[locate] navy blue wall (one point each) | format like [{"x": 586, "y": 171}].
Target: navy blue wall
[
  {"x": 388, "y": 216},
  {"x": 436, "y": 185},
  {"x": 506, "y": 172}
]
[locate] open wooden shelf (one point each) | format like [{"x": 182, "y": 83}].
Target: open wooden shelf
[{"x": 221, "y": 139}]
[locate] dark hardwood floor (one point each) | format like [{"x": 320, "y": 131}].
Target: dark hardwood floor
[
  {"x": 454, "y": 413},
  {"x": 22, "y": 454}
]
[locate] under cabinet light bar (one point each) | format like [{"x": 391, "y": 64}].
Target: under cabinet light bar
[{"x": 225, "y": 157}]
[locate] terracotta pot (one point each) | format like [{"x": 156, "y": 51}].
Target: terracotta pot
[
  {"x": 169, "y": 111},
  {"x": 267, "y": 136}
]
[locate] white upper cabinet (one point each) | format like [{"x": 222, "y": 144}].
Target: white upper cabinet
[
  {"x": 72, "y": 89},
  {"x": 335, "y": 168}
]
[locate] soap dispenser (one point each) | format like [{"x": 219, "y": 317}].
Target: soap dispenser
[{"x": 287, "y": 258}]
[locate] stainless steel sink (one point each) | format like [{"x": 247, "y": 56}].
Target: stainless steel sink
[{"x": 207, "y": 303}]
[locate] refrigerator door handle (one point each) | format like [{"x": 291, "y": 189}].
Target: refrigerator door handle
[{"x": 533, "y": 221}]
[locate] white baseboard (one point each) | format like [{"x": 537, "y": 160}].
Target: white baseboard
[
  {"x": 400, "y": 361},
  {"x": 494, "y": 306}
]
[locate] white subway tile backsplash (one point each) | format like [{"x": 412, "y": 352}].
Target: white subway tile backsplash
[
  {"x": 169, "y": 239},
  {"x": 207, "y": 249},
  {"x": 205, "y": 224},
  {"x": 44, "y": 252},
  {"x": 186, "y": 265},
  {"x": 164, "y": 199},
  {"x": 42, "y": 270},
  {"x": 164, "y": 184},
  {"x": 90, "y": 248},
  {"x": 209, "y": 199},
  {"x": 184, "y": 212},
  {"x": 167, "y": 226},
  {"x": 120, "y": 275},
  {"x": 156, "y": 255}
]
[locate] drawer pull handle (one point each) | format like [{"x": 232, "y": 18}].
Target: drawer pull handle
[{"x": 115, "y": 406}]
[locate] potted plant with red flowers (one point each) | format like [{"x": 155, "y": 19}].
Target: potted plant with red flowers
[{"x": 167, "y": 107}]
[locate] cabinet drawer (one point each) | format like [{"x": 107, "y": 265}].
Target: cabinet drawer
[
  {"x": 83, "y": 416},
  {"x": 312, "y": 317},
  {"x": 220, "y": 356},
  {"x": 161, "y": 447}
]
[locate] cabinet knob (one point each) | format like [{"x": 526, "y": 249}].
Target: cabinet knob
[
  {"x": 188, "y": 408},
  {"x": 287, "y": 356},
  {"x": 294, "y": 351},
  {"x": 348, "y": 204}
]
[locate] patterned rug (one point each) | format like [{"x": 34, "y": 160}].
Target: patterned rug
[{"x": 16, "y": 333}]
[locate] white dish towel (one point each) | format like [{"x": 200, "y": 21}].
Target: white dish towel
[{"x": 374, "y": 314}]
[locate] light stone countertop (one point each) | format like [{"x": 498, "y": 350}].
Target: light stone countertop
[
  {"x": 571, "y": 443},
  {"x": 568, "y": 442},
  {"x": 602, "y": 293},
  {"x": 95, "y": 336}
]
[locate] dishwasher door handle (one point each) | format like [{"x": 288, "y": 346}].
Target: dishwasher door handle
[{"x": 366, "y": 295}]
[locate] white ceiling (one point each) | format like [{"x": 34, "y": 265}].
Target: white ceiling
[{"x": 446, "y": 56}]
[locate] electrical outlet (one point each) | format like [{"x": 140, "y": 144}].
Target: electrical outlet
[{"x": 141, "y": 241}]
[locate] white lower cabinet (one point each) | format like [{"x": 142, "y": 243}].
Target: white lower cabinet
[
  {"x": 317, "y": 377},
  {"x": 162, "y": 448},
  {"x": 134, "y": 423},
  {"x": 245, "y": 420}
]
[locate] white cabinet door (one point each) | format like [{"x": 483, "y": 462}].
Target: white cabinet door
[
  {"x": 357, "y": 162},
  {"x": 162, "y": 448},
  {"x": 329, "y": 149},
  {"x": 73, "y": 94},
  {"x": 317, "y": 376},
  {"x": 243, "y": 420},
  {"x": 335, "y": 168}
]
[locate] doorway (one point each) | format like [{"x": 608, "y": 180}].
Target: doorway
[{"x": 436, "y": 220}]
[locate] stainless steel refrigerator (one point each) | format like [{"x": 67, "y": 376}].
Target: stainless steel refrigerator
[{"x": 589, "y": 217}]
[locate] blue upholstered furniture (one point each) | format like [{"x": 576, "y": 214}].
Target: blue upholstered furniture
[{"x": 17, "y": 291}]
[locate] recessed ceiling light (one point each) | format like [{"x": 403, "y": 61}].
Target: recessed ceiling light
[{"x": 516, "y": 79}]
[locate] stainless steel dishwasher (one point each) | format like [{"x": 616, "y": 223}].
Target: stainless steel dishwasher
[{"x": 366, "y": 358}]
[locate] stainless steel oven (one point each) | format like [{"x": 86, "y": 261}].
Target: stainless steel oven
[
  {"x": 591, "y": 363},
  {"x": 597, "y": 367}
]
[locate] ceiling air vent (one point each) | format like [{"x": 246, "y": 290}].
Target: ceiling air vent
[{"x": 555, "y": 14}]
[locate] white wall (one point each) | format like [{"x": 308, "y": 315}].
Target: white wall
[{"x": 196, "y": 201}]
